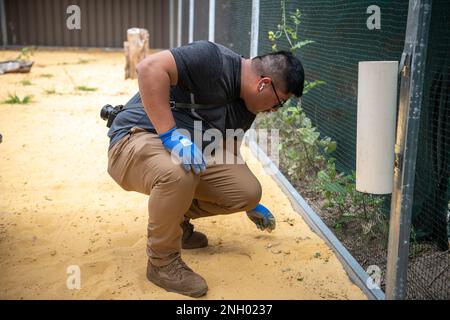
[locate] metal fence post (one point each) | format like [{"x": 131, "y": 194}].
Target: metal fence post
[
  {"x": 3, "y": 23},
  {"x": 171, "y": 23},
  {"x": 180, "y": 22},
  {"x": 255, "y": 29},
  {"x": 191, "y": 20},
  {"x": 412, "y": 69},
  {"x": 212, "y": 20}
]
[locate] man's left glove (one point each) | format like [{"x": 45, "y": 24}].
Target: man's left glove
[
  {"x": 184, "y": 150},
  {"x": 262, "y": 217}
]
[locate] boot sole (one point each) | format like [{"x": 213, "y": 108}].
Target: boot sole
[
  {"x": 183, "y": 246},
  {"x": 194, "y": 294}
]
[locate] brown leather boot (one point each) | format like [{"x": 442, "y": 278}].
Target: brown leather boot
[
  {"x": 177, "y": 277},
  {"x": 192, "y": 239}
]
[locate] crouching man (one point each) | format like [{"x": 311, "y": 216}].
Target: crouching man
[{"x": 145, "y": 141}]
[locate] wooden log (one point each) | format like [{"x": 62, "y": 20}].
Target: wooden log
[{"x": 136, "y": 48}]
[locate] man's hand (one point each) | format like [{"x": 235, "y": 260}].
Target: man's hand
[
  {"x": 262, "y": 217},
  {"x": 184, "y": 150}
]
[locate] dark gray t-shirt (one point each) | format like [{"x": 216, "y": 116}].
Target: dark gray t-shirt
[{"x": 208, "y": 74}]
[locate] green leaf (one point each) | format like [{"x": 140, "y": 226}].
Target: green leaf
[
  {"x": 295, "y": 19},
  {"x": 301, "y": 44},
  {"x": 323, "y": 176},
  {"x": 311, "y": 85},
  {"x": 318, "y": 157},
  {"x": 306, "y": 122},
  {"x": 335, "y": 188},
  {"x": 331, "y": 147},
  {"x": 348, "y": 214},
  {"x": 309, "y": 135}
]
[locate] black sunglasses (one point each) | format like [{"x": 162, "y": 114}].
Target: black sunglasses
[{"x": 280, "y": 102}]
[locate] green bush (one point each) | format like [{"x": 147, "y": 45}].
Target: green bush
[{"x": 15, "y": 99}]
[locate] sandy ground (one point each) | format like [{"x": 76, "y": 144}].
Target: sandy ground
[{"x": 59, "y": 207}]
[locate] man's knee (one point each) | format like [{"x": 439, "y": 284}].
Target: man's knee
[
  {"x": 244, "y": 198},
  {"x": 252, "y": 195}
]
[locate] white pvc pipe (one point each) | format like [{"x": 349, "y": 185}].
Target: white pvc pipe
[
  {"x": 212, "y": 19},
  {"x": 376, "y": 123},
  {"x": 254, "y": 29},
  {"x": 191, "y": 20},
  {"x": 180, "y": 22}
]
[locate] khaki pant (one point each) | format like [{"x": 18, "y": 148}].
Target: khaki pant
[{"x": 139, "y": 162}]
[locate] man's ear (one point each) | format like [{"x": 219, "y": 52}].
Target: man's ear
[{"x": 261, "y": 84}]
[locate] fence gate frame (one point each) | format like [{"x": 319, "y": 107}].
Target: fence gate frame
[{"x": 412, "y": 70}]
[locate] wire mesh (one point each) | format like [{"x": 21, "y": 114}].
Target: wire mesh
[
  {"x": 428, "y": 270},
  {"x": 233, "y": 25}
]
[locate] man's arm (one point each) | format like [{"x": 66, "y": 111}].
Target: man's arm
[{"x": 156, "y": 74}]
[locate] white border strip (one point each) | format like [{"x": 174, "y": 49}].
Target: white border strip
[{"x": 353, "y": 268}]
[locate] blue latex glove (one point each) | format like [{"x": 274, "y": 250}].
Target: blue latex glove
[
  {"x": 184, "y": 150},
  {"x": 262, "y": 217}
]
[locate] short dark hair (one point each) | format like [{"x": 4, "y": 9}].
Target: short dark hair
[{"x": 284, "y": 68}]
